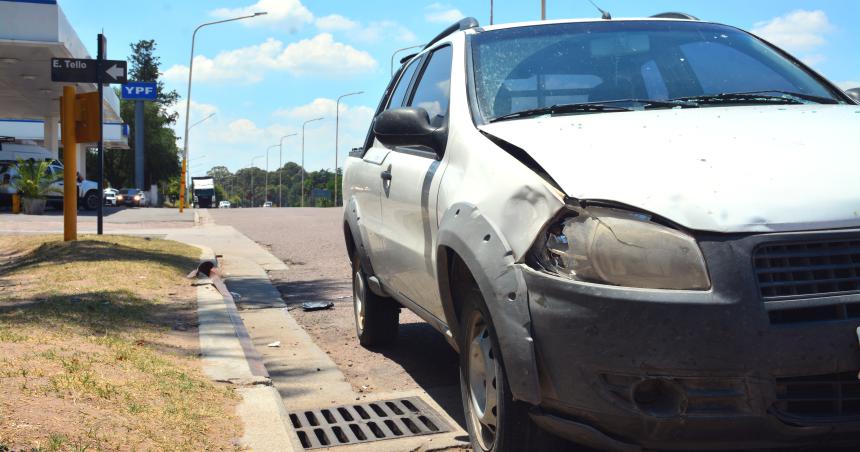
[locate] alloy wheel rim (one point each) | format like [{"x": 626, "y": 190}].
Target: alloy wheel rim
[
  {"x": 358, "y": 301},
  {"x": 483, "y": 372}
]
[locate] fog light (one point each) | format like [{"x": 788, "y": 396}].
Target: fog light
[{"x": 660, "y": 397}]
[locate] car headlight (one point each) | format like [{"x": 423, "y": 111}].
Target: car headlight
[
  {"x": 119, "y": 197},
  {"x": 137, "y": 198},
  {"x": 611, "y": 246}
]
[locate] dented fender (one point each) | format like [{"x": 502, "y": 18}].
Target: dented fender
[
  {"x": 351, "y": 217},
  {"x": 490, "y": 259}
]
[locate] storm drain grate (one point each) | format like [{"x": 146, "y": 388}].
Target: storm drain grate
[{"x": 365, "y": 422}]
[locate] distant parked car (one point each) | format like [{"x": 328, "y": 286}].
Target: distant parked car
[
  {"x": 224, "y": 205},
  {"x": 110, "y": 197},
  {"x": 267, "y": 204},
  {"x": 133, "y": 197}
]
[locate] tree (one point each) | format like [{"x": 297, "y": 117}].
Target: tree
[{"x": 161, "y": 155}]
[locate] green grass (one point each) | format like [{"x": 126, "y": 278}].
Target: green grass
[{"x": 84, "y": 331}]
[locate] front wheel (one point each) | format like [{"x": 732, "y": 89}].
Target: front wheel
[
  {"x": 496, "y": 422},
  {"x": 377, "y": 318}
]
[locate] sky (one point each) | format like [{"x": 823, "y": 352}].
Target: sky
[{"x": 263, "y": 77}]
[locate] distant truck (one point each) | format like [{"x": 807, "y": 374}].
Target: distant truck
[{"x": 204, "y": 191}]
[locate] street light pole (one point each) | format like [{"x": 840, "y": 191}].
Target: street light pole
[
  {"x": 303, "y": 158},
  {"x": 336, "y": 135},
  {"x": 266, "y": 191},
  {"x": 188, "y": 101},
  {"x": 542, "y": 9},
  {"x": 281, "y": 167},
  {"x": 400, "y": 50},
  {"x": 251, "y": 169}
]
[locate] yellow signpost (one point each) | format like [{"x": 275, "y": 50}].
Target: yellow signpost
[{"x": 68, "y": 108}]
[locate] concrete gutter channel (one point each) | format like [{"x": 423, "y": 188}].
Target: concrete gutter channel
[{"x": 294, "y": 376}]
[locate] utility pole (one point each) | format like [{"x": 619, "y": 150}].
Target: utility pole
[
  {"x": 336, "y": 134},
  {"x": 188, "y": 103},
  {"x": 542, "y": 9},
  {"x": 491, "y": 12},
  {"x": 302, "y": 204}
]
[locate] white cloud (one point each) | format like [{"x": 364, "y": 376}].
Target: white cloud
[
  {"x": 848, "y": 84},
  {"x": 797, "y": 31},
  {"x": 335, "y": 22},
  {"x": 289, "y": 14},
  {"x": 437, "y": 12},
  {"x": 373, "y": 32},
  {"x": 317, "y": 56},
  {"x": 325, "y": 108}
]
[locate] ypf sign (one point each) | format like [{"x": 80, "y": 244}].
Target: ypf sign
[{"x": 140, "y": 91}]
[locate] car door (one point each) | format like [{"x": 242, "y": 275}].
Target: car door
[
  {"x": 364, "y": 175},
  {"x": 407, "y": 203}
]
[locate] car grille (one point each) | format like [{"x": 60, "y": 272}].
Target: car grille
[
  {"x": 819, "y": 396},
  {"x": 803, "y": 269}
]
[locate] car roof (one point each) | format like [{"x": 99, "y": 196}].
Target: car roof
[{"x": 568, "y": 21}]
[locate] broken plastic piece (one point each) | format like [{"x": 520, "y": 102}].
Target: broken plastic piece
[
  {"x": 317, "y": 305},
  {"x": 274, "y": 344}
]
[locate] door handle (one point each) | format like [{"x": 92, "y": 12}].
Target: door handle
[{"x": 386, "y": 175}]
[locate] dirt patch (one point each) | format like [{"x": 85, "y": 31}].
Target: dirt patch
[{"x": 98, "y": 348}]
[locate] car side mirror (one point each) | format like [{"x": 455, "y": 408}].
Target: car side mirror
[
  {"x": 854, "y": 93},
  {"x": 409, "y": 126}
]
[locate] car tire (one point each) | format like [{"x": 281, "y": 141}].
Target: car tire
[
  {"x": 495, "y": 421},
  {"x": 91, "y": 200},
  {"x": 377, "y": 319}
]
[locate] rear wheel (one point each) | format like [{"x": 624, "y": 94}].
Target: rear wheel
[{"x": 377, "y": 318}]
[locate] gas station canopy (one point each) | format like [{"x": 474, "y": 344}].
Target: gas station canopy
[{"x": 31, "y": 33}]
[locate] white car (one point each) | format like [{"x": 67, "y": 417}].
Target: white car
[
  {"x": 88, "y": 194},
  {"x": 110, "y": 196},
  {"x": 224, "y": 204},
  {"x": 267, "y": 204},
  {"x": 638, "y": 233}
]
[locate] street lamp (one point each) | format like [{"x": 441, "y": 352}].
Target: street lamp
[
  {"x": 188, "y": 100},
  {"x": 266, "y": 192},
  {"x": 281, "y": 167},
  {"x": 336, "y": 129},
  {"x": 398, "y": 51},
  {"x": 303, "y": 157},
  {"x": 251, "y": 170}
]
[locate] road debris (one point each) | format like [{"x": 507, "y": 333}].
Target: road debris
[
  {"x": 317, "y": 305},
  {"x": 274, "y": 344}
]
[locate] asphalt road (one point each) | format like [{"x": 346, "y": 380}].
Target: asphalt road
[{"x": 310, "y": 241}]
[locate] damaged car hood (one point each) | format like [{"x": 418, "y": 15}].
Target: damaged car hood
[{"x": 725, "y": 169}]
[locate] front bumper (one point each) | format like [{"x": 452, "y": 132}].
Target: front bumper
[{"x": 684, "y": 369}]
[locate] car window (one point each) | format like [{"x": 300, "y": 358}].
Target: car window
[
  {"x": 406, "y": 77},
  {"x": 433, "y": 89}
]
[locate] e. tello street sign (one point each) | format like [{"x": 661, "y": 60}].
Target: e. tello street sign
[{"x": 80, "y": 70}]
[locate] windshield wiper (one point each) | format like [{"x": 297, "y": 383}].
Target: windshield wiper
[
  {"x": 597, "y": 107},
  {"x": 758, "y": 97}
]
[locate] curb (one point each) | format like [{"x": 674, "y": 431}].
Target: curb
[{"x": 265, "y": 420}]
